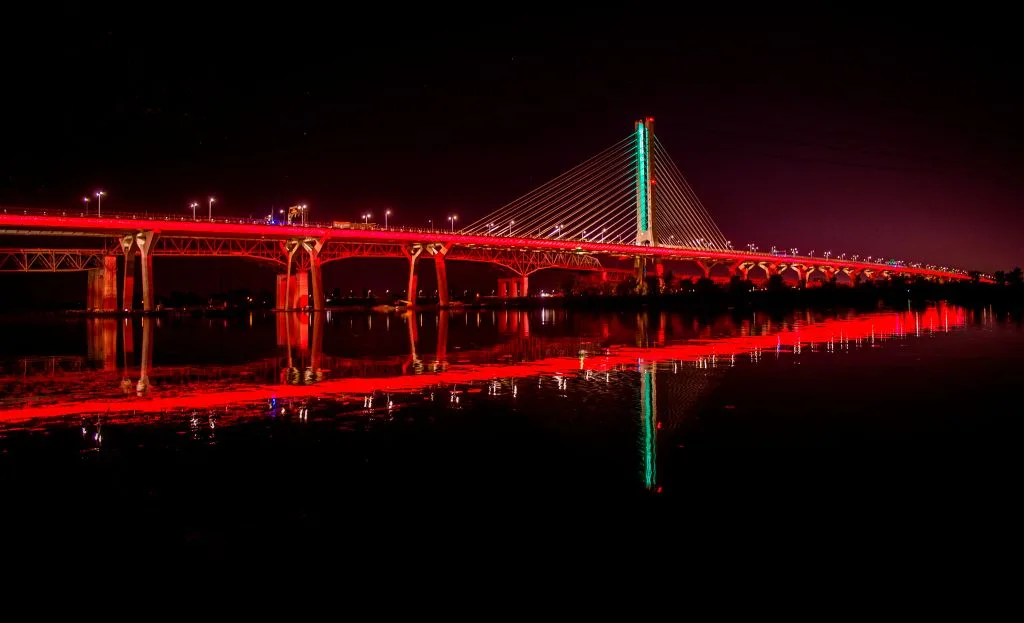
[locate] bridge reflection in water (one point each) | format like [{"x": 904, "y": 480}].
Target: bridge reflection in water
[{"x": 665, "y": 362}]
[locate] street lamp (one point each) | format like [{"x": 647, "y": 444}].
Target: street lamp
[
  {"x": 602, "y": 233},
  {"x": 209, "y": 214},
  {"x": 490, "y": 228},
  {"x": 510, "y": 224},
  {"x": 86, "y": 201},
  {"x": 99, "y": 202},
  {"x": 194, "y": 205},
  {"x": 387, "y": 213},
  {"x": 430, "y": 222},
  {"x": 452, "y": 219},
  {"x": 366, "y": 218}
]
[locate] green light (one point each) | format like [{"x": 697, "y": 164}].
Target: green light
[
  {"x": 647, "y": 416},
  {"x": 641, "y": 175}
]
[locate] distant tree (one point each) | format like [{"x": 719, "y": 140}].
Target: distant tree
[
  {"x": 653, "y": 286},
  {"x": 1015, "y": 277},
  {"x": 570, "y": 286},
  {"x": 737, "y": 286},
  {"x": 670, "y": 281},
  {"x": 776, "y": 284},
  {"x": 1000, "y": 277},
  {"x": 706, "y": 286},
  {"x": 975, "y": 276},
  {"x": 626, "y": 287}
]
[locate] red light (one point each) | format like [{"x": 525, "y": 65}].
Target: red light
[
  {"x": 658, "y": 490},
  {"x": 117, "y": 226}
]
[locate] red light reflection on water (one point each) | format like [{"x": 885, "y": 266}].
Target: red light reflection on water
[{"x": 878, "y": 325}]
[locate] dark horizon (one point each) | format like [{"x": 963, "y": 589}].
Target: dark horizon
[{"x": 895, "y": 144}]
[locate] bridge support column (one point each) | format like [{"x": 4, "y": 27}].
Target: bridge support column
[
  {"x": 316, "y": 277},
  {"x": 705, "y": 267},
  {"x": 502, "y": 290},
  {"x": 91, "y": 292},
  {"x": 292, "y": 291},
  {"x": 109, "y": 300},
  {"x": 524, "y": 286},
  {"x": 801, "y": 276},
  {"x": 128, "y": 293},
  {"x": 411, "y": 291},
  {"x": 101, "y": 294},
  {"x": 659, "y": 272},
  {"x": 145, "y": 240},
  {"x": 442, "y": 275},
  {"x": 513, "y": 288}
]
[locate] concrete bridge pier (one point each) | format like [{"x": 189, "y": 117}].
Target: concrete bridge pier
[
  {"x": 411, "y": 289},
  {"x": 101, "y": 295},
  {"x": 292, "y": 291},
  {"x": 144, "y": 241},
  {"x": 439, "y": 251},
  {"x": 513, "y": 287},
  {"x": 316, "y": 274},
  {"x": 128, "y": 292}
]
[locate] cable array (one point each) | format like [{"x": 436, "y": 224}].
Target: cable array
[
  {"x": 596, "y": 201},
  {"x": 680, "y": 217}
]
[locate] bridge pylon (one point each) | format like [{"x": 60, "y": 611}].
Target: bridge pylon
[{"x": 645, "y": 204}]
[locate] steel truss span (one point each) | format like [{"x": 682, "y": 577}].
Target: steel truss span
[
  {"x": 521, "y": 262},
  {"x": 261, "y": 249},
  {"x": 50, "y": 260}
]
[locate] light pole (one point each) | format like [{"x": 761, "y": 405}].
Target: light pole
[
  {"x": 194, "y": 205},
  {"x": 210, "y": 212},
  {"x": 510, "y": 224},
  {"x": 387, "y": 213},
  {"x": 490, "y": 228},
  {"x": 85, "y": 200},
  {"x": 430, "y": 224},
  {"x": 452, "y": 219},
  {"x": 366, "y": 218},
  {"x": 99, "y": 202},
  {"x": 602, "y": 233}
]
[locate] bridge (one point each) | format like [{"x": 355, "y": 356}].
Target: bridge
[{"x": 628, "y": 203}]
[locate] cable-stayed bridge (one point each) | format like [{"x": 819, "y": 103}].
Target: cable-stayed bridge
[{"x": 628, "y": 203}]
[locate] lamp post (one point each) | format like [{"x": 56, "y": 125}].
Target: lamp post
[
  {"x": 210, "y": 209},
  {"x": 603, "y": 233},
  {"x": 452, "y": 219},
  {"x": 85, "y": 200},
  {"x": 510, "y": 224},
  {"x": 366, "y": 218},
  {"x": 194, "y": 205},
  {"x": 99, "y": 202},
  {"x": 387, "y": 213},
  {"x": 430, "y": 224}
]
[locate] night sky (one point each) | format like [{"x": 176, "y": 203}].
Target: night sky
[{"x": 826, "y": 137}]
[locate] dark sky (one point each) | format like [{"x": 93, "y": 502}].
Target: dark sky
[{"x": 819, "y": 135}]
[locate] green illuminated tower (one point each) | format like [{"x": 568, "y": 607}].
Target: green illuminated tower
[{"x": 645, "y": 182}]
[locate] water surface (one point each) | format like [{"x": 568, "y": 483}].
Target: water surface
[{"x": 190, "y": 424}]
